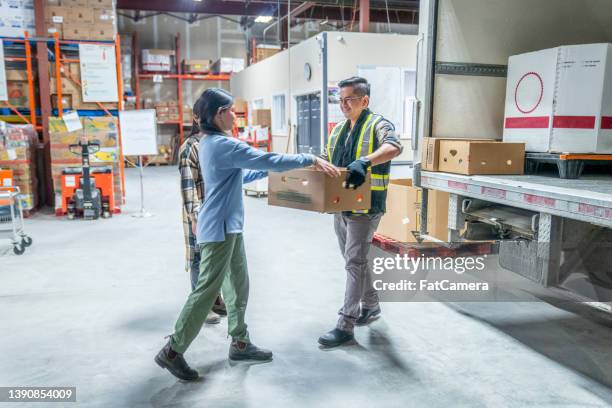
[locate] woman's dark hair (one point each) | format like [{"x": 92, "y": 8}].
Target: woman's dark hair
[{"x": 208, "y": 105}]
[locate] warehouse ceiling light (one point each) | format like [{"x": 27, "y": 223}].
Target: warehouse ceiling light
[{"x": 263, "y": 19}]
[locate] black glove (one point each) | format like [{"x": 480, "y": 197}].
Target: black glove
[{"x": 357, "y": 172}]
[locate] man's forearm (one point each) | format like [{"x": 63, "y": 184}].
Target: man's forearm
[{"x": 385, "y": 153}]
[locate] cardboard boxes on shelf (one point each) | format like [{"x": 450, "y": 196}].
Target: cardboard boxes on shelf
[
  {"x": 157, "y": 60},
  {"x": 404, "y": 209},
  {"x": 312, "y": 190},
  {"x": 472, "y": 156},
  {"x": 167, "y": 111},
  {"x": 81, "y": 19},
  {"x": 101, "y": 129},
  {"x": 560, "y": 99},
  {"x": 196, "y": 66}
]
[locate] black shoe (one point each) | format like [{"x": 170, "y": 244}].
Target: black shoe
[
  {"x": 368, "y": 315},
  {"x": 248, "y": 351},
  {"x": 177, "y": 366},
  {"x": 335, "y": 338},
  {"x": 219, "y": 307}
]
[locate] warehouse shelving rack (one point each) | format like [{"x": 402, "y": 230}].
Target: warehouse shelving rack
[
  {"x": 31, "y": 111},
  {"x": 177, "y": 76},
  {"x": 59, "y": 59}
]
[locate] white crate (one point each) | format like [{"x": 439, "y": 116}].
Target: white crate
[{"x": 560, "y": 99}]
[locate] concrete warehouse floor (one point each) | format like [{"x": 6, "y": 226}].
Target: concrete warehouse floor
[{"x": 89, "y": 303}]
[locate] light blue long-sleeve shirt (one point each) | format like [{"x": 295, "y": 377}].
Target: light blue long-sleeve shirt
[{"x": 222, "y": 160}]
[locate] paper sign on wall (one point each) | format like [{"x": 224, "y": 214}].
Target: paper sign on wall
[
  {"x": 138, "y": 132},
  {"x": 98, "y": 72},
  {"x": 3, "y": 91}
]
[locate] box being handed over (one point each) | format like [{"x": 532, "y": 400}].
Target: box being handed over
[{"x": 313, "y": 190}]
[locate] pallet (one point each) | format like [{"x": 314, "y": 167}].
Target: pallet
[
  {"x": 569, "y": 166},
  {"x": 432, "y": 249}
]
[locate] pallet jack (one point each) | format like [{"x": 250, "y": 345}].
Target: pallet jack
[{"x": 87, "y": 193}]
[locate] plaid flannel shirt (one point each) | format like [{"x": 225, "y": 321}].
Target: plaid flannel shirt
[{"x": 192, "y": 192}]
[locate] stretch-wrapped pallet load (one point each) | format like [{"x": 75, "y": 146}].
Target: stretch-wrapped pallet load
[
  {"x": 18, "y": 153},
  {"x": 93, "y": 20},
  {"x": 100, "y": 129}
]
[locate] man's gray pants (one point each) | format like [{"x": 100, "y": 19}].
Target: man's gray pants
[{"x": 355, "y": 234}]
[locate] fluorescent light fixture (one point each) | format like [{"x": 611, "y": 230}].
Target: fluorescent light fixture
[
  {"x": 199, "y": 1},
  {"x": 263, "y": 19}
]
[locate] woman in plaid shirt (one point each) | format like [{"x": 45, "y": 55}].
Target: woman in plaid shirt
[{"x": 192, "y": 192}]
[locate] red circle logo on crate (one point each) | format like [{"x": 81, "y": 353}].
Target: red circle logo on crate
[{"x": 528, "y": 92}]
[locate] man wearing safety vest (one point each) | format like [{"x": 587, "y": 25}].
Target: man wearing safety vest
[{"x": 365, "y": 140}]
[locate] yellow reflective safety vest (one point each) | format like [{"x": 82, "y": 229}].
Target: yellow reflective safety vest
[{"x": 367, "y": 143}]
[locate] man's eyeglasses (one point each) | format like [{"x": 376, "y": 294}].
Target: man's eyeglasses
[{"x": 346, "y": 100}]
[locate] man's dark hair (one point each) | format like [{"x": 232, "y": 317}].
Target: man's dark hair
[{"x": 360, "y": 85}]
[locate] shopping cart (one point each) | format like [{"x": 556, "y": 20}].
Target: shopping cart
[{"x": 11, "y": 219}]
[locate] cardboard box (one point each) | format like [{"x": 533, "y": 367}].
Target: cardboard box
[
  {"x": 57, "y": 14},
  {"x": 261, "y": 117},
  {"x": 102, "y": 15},
  {"x": 312, "y": 190},
  {"x": 228, "y": 65},
  {"x": 18, "y": 93},
  {"x": 481, "y": 157},
  {"x": 560, "y": 99},
  {"x": 81, "y": 15},
  {"x": 18, "y": 74},
  {"x": 157, "y": 60},
  {"x": 265, "y": 51},
  {"x": 103, "y": 32},
  {"x": 430, "y": 154},
  {"x": 404, "y": 212},
  {"x": 240, "y": 105},
  {"x": 403, "y": 206},
  {"x": 76, "y": 31},
  {"x": 196, "y": 66}
]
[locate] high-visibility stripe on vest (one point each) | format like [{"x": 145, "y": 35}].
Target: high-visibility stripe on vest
[{"x": 365, "y": 147}]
